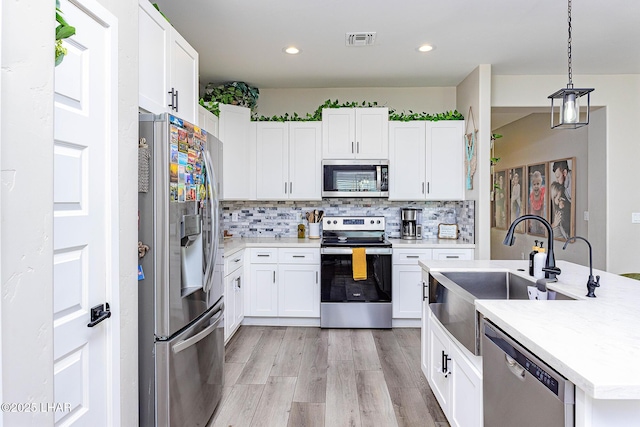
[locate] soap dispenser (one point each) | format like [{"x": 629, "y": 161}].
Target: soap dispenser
[
  {"x": 534, "y": 251},
  {"x": 539, "y": 260}
]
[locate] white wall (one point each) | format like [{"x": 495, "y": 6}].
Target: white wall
[
  {"x": 475, "y": 92},
  {"x": 125, "y": 393},
  {"x": 302, "y": 101},
  {"x": 619, "y": 94},
  {"x": 531, "y": 140},
  {"x": 26, "y": 196}
]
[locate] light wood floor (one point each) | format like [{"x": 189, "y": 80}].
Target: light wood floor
[{"x": 295, "y": 376}]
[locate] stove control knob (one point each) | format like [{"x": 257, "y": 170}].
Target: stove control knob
[
  {"x": 335, "y": 222},
  {"x": 372, "y": 222},
  {"x": 378, "y": 222}
]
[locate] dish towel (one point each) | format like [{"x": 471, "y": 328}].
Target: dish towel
[{"x": 359, "y": 263}]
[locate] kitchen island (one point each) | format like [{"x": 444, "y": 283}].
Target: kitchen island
[{"x": 593, "y": 342}]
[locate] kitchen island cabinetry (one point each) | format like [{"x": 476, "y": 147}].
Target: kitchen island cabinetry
[
  {"x": 355, "y": 133},
  {"x": 168, "y": 73},
  {"x": 455, "y": 377},
  {"x": 288, "y": 158},
  {"x": 426, "y": 160}
]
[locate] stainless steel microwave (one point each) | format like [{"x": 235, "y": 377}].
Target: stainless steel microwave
[{"x": 355, "y": 178}]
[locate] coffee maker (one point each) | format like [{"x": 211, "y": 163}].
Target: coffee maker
[{"x": 411, "y": 227}]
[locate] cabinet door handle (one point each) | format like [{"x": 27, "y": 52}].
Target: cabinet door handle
[
  {"x": 428, "y": 189},
  {"x": 423, "y": 188},
  {"x": 239, "y": 283},
  {"x": 445, "y": 364},
  {"x": 285, "y": 188},
  {"x": 424, "y": 288},
  {"x": 274, "y": 277},
  {"x": 173, "y": 93},
  {"x": 290, "y": 187},
  {"x": 358, "y": 147},
  {"x": 176, "y": 100},
  {"x": 316, "y": 277},
  {"x": 352, "y": 150}
]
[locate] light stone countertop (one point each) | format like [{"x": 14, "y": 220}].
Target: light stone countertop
[
  {"x": 431, "y": 244},
  {"x": 235, "y": 244},
  {"x": 594, "y": 342}
]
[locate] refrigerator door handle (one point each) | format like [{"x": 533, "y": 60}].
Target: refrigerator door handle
[
  {"x": 184, "y": 344},
  {"x": 213, "y": 204}
]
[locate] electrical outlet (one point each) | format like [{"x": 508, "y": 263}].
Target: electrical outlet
[
  {"x": 586, "y": 215},
  {"x": 521, "y": 255},
  {"x": 635, "y": 218},
  {"x": 234, "y": 216}
]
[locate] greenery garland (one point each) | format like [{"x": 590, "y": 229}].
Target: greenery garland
[{"x": 316, "y": 116}]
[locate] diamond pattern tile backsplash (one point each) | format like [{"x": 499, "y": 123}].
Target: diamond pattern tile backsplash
[{"x": 270, "y": 219}]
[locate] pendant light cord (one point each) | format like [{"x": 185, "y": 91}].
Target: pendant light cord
[{"x": 570, "y": 85}]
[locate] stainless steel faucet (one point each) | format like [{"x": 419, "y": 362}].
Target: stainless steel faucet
[
  {"x": 550, "y": 269},
  {"x": 592, "y": 283}
]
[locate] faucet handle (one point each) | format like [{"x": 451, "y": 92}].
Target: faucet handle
[{"x": 554, "y": 270}]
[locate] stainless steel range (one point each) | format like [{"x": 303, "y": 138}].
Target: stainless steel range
[{"x": 344, "y": 301}]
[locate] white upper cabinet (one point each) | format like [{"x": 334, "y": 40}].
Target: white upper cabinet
[
  {"x": 168, "y": 70},
  {"x": 238, "y": 170},
  {"x": 445, "y": 160},
  {"x": 288, "y": 160},
  {"x": 426, "y": 160},
  {"x": 355, "y": 133},
  {"x": 208, "y": 121},
  {"x": 407, "y": 165}
]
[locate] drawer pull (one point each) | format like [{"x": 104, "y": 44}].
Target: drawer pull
[
  {"x": 263, "y": 255},
  {"x": 299, "y": 256},
  {"x": 413, "y": 256},
  {"x": 453, "y": 256},
  {"x": 236, "y": 260}
]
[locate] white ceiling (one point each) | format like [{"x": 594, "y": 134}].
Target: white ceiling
[{"x": 242, "y": 40}]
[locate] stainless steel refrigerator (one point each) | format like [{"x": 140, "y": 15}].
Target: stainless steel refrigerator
[{"x": 180, "y": 301}]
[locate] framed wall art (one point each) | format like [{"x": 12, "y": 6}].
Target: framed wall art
[
  {"x": 517, "y": 200},
  {"x": 537, "y": 197},
  {"x": 562, "y": 192},
  {"x": 500, "y": 200}
]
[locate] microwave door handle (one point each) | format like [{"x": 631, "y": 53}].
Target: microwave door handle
[{"x": 379, "y": 177}]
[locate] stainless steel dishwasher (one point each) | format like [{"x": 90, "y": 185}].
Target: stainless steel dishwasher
[{"x": 519, "y": 389}]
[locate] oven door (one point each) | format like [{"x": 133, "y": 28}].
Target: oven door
[{"x": 338, "y": 286}]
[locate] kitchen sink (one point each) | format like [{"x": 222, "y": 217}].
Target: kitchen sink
[{"x": 452, "y": 298}]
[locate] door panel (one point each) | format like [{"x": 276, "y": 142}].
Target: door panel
[{"x": 85, "y": 218}]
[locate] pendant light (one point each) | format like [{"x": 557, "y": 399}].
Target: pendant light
[{"x": 567, "y": 114}]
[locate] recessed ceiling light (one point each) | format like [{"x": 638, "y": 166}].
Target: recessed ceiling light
[
  {"x": 425, "y": 48},
  {"x": 291, "y": 50}
]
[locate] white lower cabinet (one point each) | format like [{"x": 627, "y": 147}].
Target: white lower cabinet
[
  {"x": 299, "y": 290},
  {"x": 284, "y": 282},
  {"x": 454, "y": 376},
  {"x": 233, "y": 293},
  {"x": 407, "y": 277}
]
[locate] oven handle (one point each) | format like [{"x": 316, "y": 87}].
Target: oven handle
[{"x": 349, "y": 251}]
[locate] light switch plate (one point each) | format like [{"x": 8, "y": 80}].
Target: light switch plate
[
  {"x": 635, "y": 217},
  {"x": 586, "y": 215}
]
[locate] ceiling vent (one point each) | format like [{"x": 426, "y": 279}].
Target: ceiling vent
[{"x": 360, "y": 39}]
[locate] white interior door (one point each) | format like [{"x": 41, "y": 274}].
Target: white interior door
[{"x": 85, "y": 214}]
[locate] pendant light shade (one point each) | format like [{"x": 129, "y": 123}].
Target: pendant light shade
[{"x": 566, "y": 112}]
